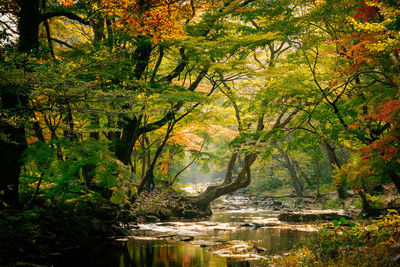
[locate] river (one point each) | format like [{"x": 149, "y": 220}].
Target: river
[{"x": 231, "y": 237}]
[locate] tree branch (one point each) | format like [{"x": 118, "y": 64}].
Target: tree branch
[{"x": 70, "y": 15}]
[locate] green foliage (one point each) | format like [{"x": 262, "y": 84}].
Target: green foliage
[
  {"x": 376, "y": 202},
  {"x": 62, "y": 178},
  {"x": 382, "y": 231},
  {"x": 333, "y": 204},
  {"x": 349, "y": 244}
]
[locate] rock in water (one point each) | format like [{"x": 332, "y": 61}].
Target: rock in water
[
  {"x": 185, "y": 238},
  {"x": 151, "y": 218}
]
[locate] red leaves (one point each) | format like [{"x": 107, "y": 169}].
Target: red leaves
[
  {"x": 386, "y": 111},
  {"x": 354, "y": 48},
  {"x": 367, "y": 156},
  {"x": 388, "y": 146},
  {"x": 366, "y": 13}
]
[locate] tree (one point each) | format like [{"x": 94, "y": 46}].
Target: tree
[{"x": 14, "y": 102}]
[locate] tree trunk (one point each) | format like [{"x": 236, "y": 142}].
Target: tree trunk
[
  {"x": 98, "y": 30},
  {"x": 150, "y": 170},
  {"x": 318, "y": 177},
  {"x": 229, "y": 169},
  {"x": 134, "y": 161},
  {"x": 365, "y": 204},
  {"x": 289, "y": 165},
  {"x": 28, "y": 25},
  {"x": 243, "y": 179},
  {"x": 202, "y": 202},
  {"x": 13, "y": 142},
  {"x": 396, "y": 179},
  {"x": 142, "y": 56},
  {"x": 130, "y": 134},
  {"x": 305, "y": 177},
  {"x": 12, "y": 147},
  {"x": 144, "y": 157},
  {"x": 88, "y": 169},
  {"x": 342, "y": 193}
]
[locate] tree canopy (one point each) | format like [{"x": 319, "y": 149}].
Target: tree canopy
[{"x": 107, "y": 99}]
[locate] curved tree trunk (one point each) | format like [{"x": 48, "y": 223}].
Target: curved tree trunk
[
  {"x": 202, "y": 202},
  {"x": 243, "y": 179}
]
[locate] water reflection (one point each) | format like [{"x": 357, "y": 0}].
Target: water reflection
[
  {"x": 145, "y": 253},
  {"x": 273, "y": 240},
  {"x": 222, "y": 227},
  {"x": 154, "y": 253}
]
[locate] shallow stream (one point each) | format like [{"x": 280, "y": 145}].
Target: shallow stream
[{"x": 160, "y": 244}]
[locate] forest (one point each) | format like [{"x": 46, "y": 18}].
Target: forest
[{"x": 117, "y": 115}]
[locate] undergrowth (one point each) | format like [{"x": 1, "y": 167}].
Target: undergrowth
[{"x": 349, "y": 244}]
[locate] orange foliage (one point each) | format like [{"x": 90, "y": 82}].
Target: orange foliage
[
  {"x": 158, "y": 19},
  {"x": 165, "y": 163},
  {"x": 67, "y": 2},
  {"x": 216, "y": 129},
  {"x": 354, "y": 47},
  {"x": 162, "y": 19},
  {"x": 187, "y": 139}
]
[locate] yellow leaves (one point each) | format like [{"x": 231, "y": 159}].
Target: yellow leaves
[
  {"x": 369, "y": 27},
  {"x": 386, "y": 39}
]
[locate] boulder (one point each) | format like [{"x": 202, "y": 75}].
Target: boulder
[
  {"x": 120, "y": 231},
  {"x": 133, "y": 225},
  {"x": 191, "y": 214},
  {"x": 151, "y": 218},
  {"x": 185, "y": 238},
  {"x": 396, "y": 259},
  {"x": 251, "y": 225},
  {"x": 165, "y": 224}
]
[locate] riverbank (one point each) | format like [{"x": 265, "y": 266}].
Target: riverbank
[
  {"x": 260, "y": 230},
  {"x": 361, "y": 243}
]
